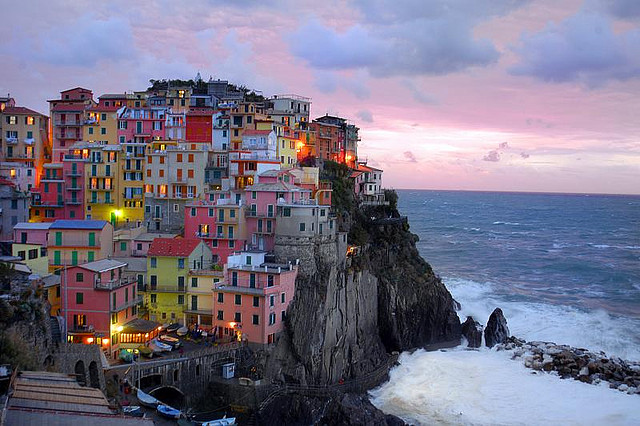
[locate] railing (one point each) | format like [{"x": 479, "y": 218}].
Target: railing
[
  {"x": 166, "y": 288},
  {"x": 252, "y": 213},
  {"x": 72, "y": 173},
  {"x": 11, "y": 141},
  {"x": 68, "y": 123},
  {"x": 258, "y": 284},
  {"x": 82, "y": 328},
  {"x": 177, "y": 179},
  {"x": 73, "y": 201},
  {"x": 73, "y": 188},
  {"x": 112, "y": 284}
]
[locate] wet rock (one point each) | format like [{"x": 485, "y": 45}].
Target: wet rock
[
  {"x": 472, "y": 331},
  {"x": 497, "y": 330}
]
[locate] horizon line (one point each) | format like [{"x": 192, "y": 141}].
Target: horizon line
[{"x": 520, "y": 192}]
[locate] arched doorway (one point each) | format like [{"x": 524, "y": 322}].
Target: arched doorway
[
  {"x": 94, "y": 376},
  {"x": 169, "y": 395},
  {"x": 81, "y": 373}
]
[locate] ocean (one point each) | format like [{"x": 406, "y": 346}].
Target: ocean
[{"x": 564, "y": 268}]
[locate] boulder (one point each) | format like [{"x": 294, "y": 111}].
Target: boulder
[
  {"x": 496, "y": 330},
  {"x": 472, "y": 331}
]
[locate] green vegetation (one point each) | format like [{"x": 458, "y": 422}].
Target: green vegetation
[{"x": 250, "y": 95}]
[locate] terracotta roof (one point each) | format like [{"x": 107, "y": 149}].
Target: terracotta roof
[
  {"x": 70, "y": 107},
  {"x": 20, "y": 110},
  {"x": 173, "y": 247},
  {"x": 365, "y": 168},
  {"x": 256, "y": 132}
]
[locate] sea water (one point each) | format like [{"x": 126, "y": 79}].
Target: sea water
[{"x": 563, "y": 268}]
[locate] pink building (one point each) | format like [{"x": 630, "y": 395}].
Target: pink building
[
  {"x": 262, "y": 198},
  {"x": 252, "y": 300},
  {"x": 31, "y": 233},
  {"x": 220, "y": 224},
  {"x": 96, "y": 300},
  {"x": 141, "y": 125},
  {"x": 67, "y": 118}
]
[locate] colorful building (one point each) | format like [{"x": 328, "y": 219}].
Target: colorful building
[
  {"x": 101, "y": 120},
  {"x": 98, "y": 299},
  {"x": 74, "y": 242},
  {"x": 14, "y": 208},
  {"x": 30, "y": 243},
  {"x": 199, "y": 301},
  {"x": 169, "y": 265},
  {"x": 200, "y": 125},
  {"x": 67, "y": 119},
  {"x": 141, "y": 124},
  {"x": 368, "y": 184},
  {"x": 252, "y": 300}
]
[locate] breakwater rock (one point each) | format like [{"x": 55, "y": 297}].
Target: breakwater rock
[
  {"x": 576, "y": 363},
  {"x": 497, "y": 330},
  {"x": 472, "y": 331}
]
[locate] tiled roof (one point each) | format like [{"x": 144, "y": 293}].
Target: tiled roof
[
  {"x": 78, "y": 224},
  {"x": 102, "y": 265},
  {"x": 256, "y": 132},
  {"x": 20, "y": 110},
  {"x": 173, "y": 247}
]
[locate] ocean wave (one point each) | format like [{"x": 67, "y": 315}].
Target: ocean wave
[
  {"x": 461, "y": 387},
  {"x": 595, "y": 330},
  {"x": 506, "y": 223}
]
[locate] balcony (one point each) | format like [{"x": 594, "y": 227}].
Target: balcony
[
  {"x": 73, "y": 201},
  {"x": 11, "y": 141},
  {"x": 74, "y": 188},
  {"x": 133, "y": 302},
  {"x": 29, "y": 141},
  {"x": 73, "y": 173},
  {"x": 113, "y": 284},
  {"x": 75, "y": 328},
  {"x": 132, "y": 196},
  {"x": 95, "y": 201},
  {"x": 177, "y": 179},
  {"x": 68, "y": 123},
  {"x": 166, "y": 288}
]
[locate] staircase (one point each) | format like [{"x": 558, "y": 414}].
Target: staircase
[{"x": 56, "y": 335}]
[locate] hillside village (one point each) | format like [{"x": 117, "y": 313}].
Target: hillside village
[{"x": 137, "y": 211}]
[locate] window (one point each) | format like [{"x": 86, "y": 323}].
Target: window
[
  {"x": 103, "y": 130},
  {"x": 272, "y": 318},
  {"x": 79, "y": 298},
  {"x": 193, "y": 212},
  {"x": 153, "y": 261},
  {"x": 220, "y": 297},
  {"x": 302, "y": 227},
  {"x": 322, "y": 212},
  {"x": 211, "y": 212},
  {"x": 252, "y": 280},
  {"x": 153, "y": 281},
  {"x": 154, "y": 298},
  {"x": 238, "y": 299},
  {"x": 191, "y": 158},
  {"x": 254, "y": 195},
  {"x": 194, "y": 282},
  {"x": 181, "y": 263},
  {"x": 180, "y": 282},
  {"x": 22, "y": 254},
  {"x": 33, "y": 254},
  {"x": 272, "y": 300},
  {"x": 282, "y": 315},
  {"x": 90, "y": 130},
  {"x": 79, "y": 277},
  {"x": 220, "y": 316},
  {"x": 238, "y": 317},
  {"x": 256, "y": 301},
  {"x": 255, "y": 320},
  {"x": 282, "y": 297},
  {"x": 234, "y": 279},
  {"x": 286, "y": 212},
  {"x": 181, "y": 299},
  {"x": 123, "y": 246},
  {"x": 269, "y": 280}
]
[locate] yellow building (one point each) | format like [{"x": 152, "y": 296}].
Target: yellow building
[
  {"x": 199, "y": 303},
  {"x": 101, "y": 120},
  {"x": 132, "y": 164},
  {"x": 170, "y": 263},
  {"x": 102, "y": 178},
  {"x": 34, "y": 256}
]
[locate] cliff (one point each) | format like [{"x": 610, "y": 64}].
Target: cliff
[{"x": 350, "y": 313}]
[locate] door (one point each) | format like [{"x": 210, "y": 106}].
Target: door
[{"x": 194, "y": 303}]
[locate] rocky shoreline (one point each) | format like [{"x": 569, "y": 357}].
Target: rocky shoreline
[
  {"x": 564, "y": 360},
  {"x": 576, "y": 363}
]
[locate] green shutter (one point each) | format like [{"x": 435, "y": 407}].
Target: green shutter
[
  {"x": 74, "y": 257},
  {"x": 92, "y": 239},
  {"x": 90, "y": 256},
  {"x": 56, "y": 257},
  {"x": 58, "y": 238}
]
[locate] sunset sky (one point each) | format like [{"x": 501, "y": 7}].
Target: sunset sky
[{"x": 504, "y": 95}]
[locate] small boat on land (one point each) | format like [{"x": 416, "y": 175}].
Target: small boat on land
[
  {"x": 173, "y": 327},
  {"x": 125, "y": 356},
  {"x": 221, "y": 422},
  {"x": 168, "y": 412},
  {"x": 145, "y": 351},
  {"x": 147, "y": 400},
  {"x": 172, "y": 341},
  {"x": 182, "y": 331},
  {"x": 133, "y": 411},
  {"x": 158, "y": 346}
]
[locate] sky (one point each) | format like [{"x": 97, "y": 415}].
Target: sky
[{"x": 504, "y": 95}]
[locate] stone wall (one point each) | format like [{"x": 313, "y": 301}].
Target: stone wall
[{"x": 84, "y": 361}]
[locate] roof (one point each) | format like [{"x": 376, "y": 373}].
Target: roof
[
  {"x": 134, "y": 264},
  {"x": 256, "y": 132},
  {"x": 20, "y": 110},
  {"x": 149, "y": 236},
  {"x": 50, "y": 280},
  {"x": 35, "y": 225},
  {"x": 365, "y": 168},
  {"x": 139, "y": 325},
  {"x": 173, "y": 247},
  {"x": 102, "y": 265},
  {"x": 275, "y": 186},
  {"x": 78, "y": 224},
  {"x": 113, "y": 96},
  {"x": 55, "y": 399},
  {"x": 70, "y": 107}
]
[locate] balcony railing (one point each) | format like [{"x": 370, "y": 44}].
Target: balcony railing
[
  {"x": 163, "y": 288},
  {"x": 75, "y": 328},
  {"x": 73, "y": 201},
  {"x": 72, "y": 173},
  {"x": 11, "y": 141},
  {"x": 133, "y": 302},
  {"x": 113, "y": 284}
]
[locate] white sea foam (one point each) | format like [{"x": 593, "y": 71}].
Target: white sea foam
[
  {"x": 486, "y": 387},
  {"x": 594, "y": 330},
  {"x": 498, "y": 222}
]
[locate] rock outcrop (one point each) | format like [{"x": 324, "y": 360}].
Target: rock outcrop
[
  {"x": 496, "y": 330},
  {"x": 472, "y": 331}
]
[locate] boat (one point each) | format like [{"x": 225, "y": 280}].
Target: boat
[
  {"x": 221, "y": 422},
  {"x": 147, "y": 400},
  {"x": 158, "y": 346},
  {"x": 182, "y": 331},
  {"x": 172, "y": 341},
  {"x": 125, "y": 355},
  {"x": 168, "y": 412},
  {"x": 145, "y": 351},
  {"x": 173, "y": 327},
  {"x": 133, "y": 411}
]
